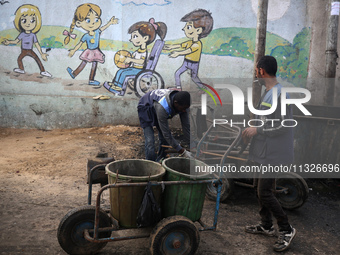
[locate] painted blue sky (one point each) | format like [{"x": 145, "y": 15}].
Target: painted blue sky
[{"x": 226, "y": 13}]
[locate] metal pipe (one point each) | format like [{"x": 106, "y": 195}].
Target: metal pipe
[
  {"x": 234, "y": 144},
  {"x": 260, "y": 45},
  {"x": 217, "y": 205},
  {"x": 218, "y": 183},
  {"x": 111, "y": 239},
  {"x": 92, "y": 171}
]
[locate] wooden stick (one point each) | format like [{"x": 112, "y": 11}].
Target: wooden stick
[
  {"x": 166, "y": 146},
  {"x": 220, "y": 155}
]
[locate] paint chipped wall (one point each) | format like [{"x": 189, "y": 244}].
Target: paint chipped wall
[{"x": 227, "y": 52}]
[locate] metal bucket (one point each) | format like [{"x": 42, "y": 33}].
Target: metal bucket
[
  {"x": 184, "y": 199},
  {"x": 125, "y": 201}
]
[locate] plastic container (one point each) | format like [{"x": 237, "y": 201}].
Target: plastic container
[
  {"x": 125, "y": 201},
  {"x": 184, "y": 199}
]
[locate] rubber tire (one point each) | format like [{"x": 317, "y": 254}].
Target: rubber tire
[
  {"x": 138, "y": 90},
  {"x": 297, "y": 188},
  {"x": 67, "y": 234},
  {"x": 167, "y": 228},
  {"x": 227, "y": 190}
]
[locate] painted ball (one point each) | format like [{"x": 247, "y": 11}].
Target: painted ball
[{"x": 120, "y": 57}]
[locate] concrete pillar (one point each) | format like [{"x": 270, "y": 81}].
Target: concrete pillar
[{"x": 331, "y": 52}]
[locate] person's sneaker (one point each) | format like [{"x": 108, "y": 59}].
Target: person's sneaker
[
  {"x": 94, "y": 83},
  {"x": 284, "y": 240},
  {"x": 18, "y": 70},
  {"x": 259, "y": 229},
  {"x": 70, "y": 72},
  {"x": 45, "y": 73}
]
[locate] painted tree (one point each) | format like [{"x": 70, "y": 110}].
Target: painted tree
[{"x": 236, "y": 47}]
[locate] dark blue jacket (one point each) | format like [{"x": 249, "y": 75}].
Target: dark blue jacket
[{"x": 155, "y": 108}]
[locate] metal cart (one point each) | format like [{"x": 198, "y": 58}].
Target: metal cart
[
  {"x": 222, "y": 143},
  {"x": 87, "y": 229}
]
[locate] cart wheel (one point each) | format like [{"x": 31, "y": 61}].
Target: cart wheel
[
  {"x": 174, "y": 235},
  {"x": 71, "y": 230},
  {"x": 147, "y": 81},
  {"x": 227, "y": 190},
  {"x": 297, "y": 193}
]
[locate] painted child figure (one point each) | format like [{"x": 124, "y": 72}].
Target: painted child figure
[
  {"x": 28, "y": 22},
  {"x": 87, "y": 17},
  {"x": 199, "y": 24},
  {"x": 142, "y": 34}
]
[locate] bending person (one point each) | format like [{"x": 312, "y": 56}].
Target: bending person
[{"x": 155, "y": 108}]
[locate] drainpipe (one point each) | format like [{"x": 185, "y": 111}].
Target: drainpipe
[
  {"x": 260, "y": 45},
  {"x": 331, "y": 53}
]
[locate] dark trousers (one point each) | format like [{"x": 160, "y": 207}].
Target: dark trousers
[
  {"x": 150, "y": 152},
  {"x": 269, "y": 205}
]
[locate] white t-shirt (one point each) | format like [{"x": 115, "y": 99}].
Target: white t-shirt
[{"x": 139, "y": 54}]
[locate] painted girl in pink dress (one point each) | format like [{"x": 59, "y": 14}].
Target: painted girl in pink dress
[{"x": 87, "y": 17}]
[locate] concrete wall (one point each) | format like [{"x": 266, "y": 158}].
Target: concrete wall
[
  {"x": 296, "y": 37},
  {"x": 318, "y": 15}
]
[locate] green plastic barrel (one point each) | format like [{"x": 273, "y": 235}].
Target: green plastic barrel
[
  {"x": 126, "y": 201},
  {"x": 184, "y": 199}
]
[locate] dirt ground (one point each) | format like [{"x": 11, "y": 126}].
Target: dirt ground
[{"x": 43, "y": 176}]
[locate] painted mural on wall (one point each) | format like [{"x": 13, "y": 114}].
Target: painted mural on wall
[
  {"x": 28, "y": 23},
  {"x": 199, "y": 24},
  {"x": 88, "y": 17},
  {"x": 129, "y": 47},
  {"x": 134, "y": 66}
]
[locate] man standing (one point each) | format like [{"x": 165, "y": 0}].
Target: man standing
[
  {"x": 154, "y": 109},
  {"x": 271, "y": 144}
]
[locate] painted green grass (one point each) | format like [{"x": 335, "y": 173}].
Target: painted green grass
[{"x": 292, "y": 58}]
